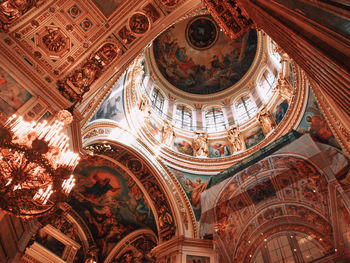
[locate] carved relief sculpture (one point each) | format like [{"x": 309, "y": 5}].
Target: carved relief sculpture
[
  {"x": 234, "y": 137},
  {"x": 139, "y": 23},
  {"x": 53, "y": 40},
  {"x": 77, "y": 83},
  {"x": 233, "y": 20},
  {"x": 284, "y": 88},
  {"x": 266, "y": 121},
  {"x": 143, "y": 104},
  {"x": 200, "y": 144},
  {"x": 12, "y": 10},
  {"x": 168, "y": 134}
]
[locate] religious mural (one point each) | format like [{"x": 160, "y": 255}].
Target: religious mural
[
  {"x": 183, "y": 145},
  {"x": 197, "y": 259},
  {"x": 208, "y": 71},
  {"x": 219, "y": 149},
  {"x": 12, "y": 94},
  {"x": 112, "y": 107},
  {"x": 261, "y": 191},
  {"x": 253, "y": 136},
  {"x": 107, "y": 7},
  {"x": 280, "y": 110},
  {"x": 152, "y": 127},
  {"x": 110, "y": 202},
  {"x": 193, "y": 186},
  {"x": 314, "y": 123}
]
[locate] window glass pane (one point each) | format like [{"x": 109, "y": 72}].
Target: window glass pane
[
  {"x": 309, "y": 248},
  {"x": 280, "y": 250},
  {"x": 245, "y": 109},
  {"x": 157, "y": 100},
  {"x": 214, "y": 120},
  {"x": 183, "y": 117},
  {"x": 258, "y": 258},
  {"x": 275, "y": 55},
  {"x": 266, "y": 85}
]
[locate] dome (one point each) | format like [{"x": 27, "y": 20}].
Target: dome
[{"x": 196, "y": 57}]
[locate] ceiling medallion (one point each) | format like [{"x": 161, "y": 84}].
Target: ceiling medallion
[
  {"x": 202, "y": 33},
  {"x": 139, "y": 23}
]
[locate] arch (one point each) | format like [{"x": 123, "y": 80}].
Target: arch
[
  {"x": 271, "y": 195},
  {"x": 109, "y": 133},
  {"x": 129, "y": 243},
  {"x": 143, "y": 174}
]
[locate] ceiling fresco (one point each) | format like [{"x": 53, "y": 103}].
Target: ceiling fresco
[
  {"x": 110, "y": 202},
  {"x": 196, "y": 57}
]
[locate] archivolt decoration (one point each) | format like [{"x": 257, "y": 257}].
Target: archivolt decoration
[
  {"x": 136, "y": 247},
  {"x": 166, "y": 219},
  {"x": 289, "y": 189}
]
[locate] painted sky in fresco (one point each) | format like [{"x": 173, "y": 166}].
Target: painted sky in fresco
[
  {"x": 110, "y": 202},
  {"x": 203, "y": 71}
]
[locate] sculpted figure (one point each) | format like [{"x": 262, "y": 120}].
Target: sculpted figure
[
  {"x": 54, "y": 41},
  {"x": 283, "y": 87},
  {"x": 266, "y": 121},
  {"x": 234, "y": 137},
  {"x": 144, "y": 104},
  {"x": 168, "y": 134},
  {"x": 200, "y": 144},
  {"x": 11, "y": 10},
  {"x": 169, "y": 3}
]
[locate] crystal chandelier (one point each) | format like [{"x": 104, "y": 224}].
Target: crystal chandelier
[{"x": 35, "y": 165}]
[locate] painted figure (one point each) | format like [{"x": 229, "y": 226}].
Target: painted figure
[{"x": 281, "y": 110}]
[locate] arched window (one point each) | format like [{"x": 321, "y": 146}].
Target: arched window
[
  {"x": 214, "y": 120},
  {"x": 183, "y": 117},
  {"x": 266, "y": 84},
  {"x": 288, "y": 247},
  {"x": 244, "y": 109},
  {"x": 276, "y": 56},
  {"x": 157, "y": 100}
]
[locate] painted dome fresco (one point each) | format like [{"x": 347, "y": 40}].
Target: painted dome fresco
[{"x": 196, "y": 57}]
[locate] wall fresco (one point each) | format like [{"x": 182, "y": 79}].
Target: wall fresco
[
  {"x": 110, "y": 202},
  {"x": 152, "y": 127},
  {"x": 208, "y": 71},
  {"x": 193, "y": 185},
  {"x": 12, "y": 94},
  {"x": 314, "y": 123},
  {"x": 253, "y": 136},
  {"x": 219, "y": 149},
  {"x": 183, "y": 146},
  {"x": 112, "y": 107},
  {"x": 261, "y": 191},
  {"x": 280, "y": 110}
]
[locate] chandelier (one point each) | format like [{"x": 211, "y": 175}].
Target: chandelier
[{"x": 35, "y": 165}]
